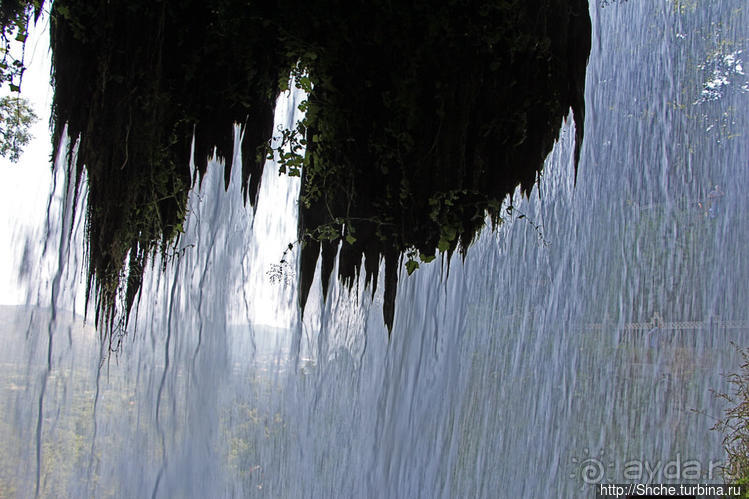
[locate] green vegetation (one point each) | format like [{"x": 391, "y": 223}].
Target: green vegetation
[
  {"x": 15, "y": 16},
  {"x": 16, "y": 116},
  {"x": 734, "y": 425},
  {"x": 69, "y": 432},
  {"x": 407, "y": 153},
  {"x": 420, "y": 118}
]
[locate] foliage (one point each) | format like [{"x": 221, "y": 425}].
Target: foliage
[
  {"x": 16, "y": 114},
  {"x": 420, "y": 118},
  {"x": 734, "y": 425},
  {"x": 408, "y": 154},
  {"x": 136, "y": 81},
  {"x": 16, "y": 117},
  {"x": 684, "y": 6},
  {"x": 15, "y": 16}
]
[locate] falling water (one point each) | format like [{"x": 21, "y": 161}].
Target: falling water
[{"x": 576, "y": 344}]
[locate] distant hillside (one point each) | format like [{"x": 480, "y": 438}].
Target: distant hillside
[{"x": 24, "y": 330}]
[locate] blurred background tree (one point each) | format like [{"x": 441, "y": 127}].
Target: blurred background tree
[
  {"x": 16, "y": 113},
  {"x": 16, "y": 117}
]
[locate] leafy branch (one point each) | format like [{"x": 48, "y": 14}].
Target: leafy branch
[
  {"x": 14, "y": 30},
  {"x": 16, "y": 117}
]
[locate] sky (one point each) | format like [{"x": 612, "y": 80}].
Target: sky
[{"x": 25, "y": 186}]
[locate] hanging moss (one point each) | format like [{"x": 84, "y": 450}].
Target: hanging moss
[
  {"x": 421, "y": 117},
  {"x": 134, "y": 81}
]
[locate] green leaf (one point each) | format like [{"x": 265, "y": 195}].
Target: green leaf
[
  {"x": 411, "y": 265},
  {"x": 14, "y": 88},
  {"x": 351, "y": 240},
  {"x": 443, "y": 245},
  {"x": 426, "y": 258}
]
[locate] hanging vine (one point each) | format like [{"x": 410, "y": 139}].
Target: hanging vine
[{"x": 420, "y": 118}]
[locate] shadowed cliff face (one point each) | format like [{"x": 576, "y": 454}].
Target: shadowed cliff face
[{"x": 421, "y": 118}]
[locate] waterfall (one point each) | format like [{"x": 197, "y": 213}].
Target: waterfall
[{"x": 576, "y": 344}]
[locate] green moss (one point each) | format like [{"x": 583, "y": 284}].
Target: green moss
[
  {"x": 421, "y": 117},
  {"x": 135, "y": 80}
]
